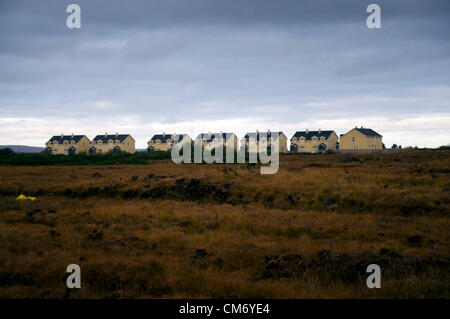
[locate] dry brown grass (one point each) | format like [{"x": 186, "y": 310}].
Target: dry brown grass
[{"x": 166, "y": 230}]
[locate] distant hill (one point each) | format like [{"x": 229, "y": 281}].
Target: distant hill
[{"x": 23, "y": 148}]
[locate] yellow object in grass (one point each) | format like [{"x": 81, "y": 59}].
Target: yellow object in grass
[{"x": 23, "y": 197}]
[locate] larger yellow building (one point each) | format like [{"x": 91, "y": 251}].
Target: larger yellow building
[
  {"x": 314, "y": 141},
  {"x": 264, "y": 140},
  {"x": 68, "y": 144},
  {"x": 117, "y": 142},
  {"x": 361, "y": 139}
]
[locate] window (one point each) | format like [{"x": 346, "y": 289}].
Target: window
[
  {"x": 355, "y": 147},
  {"x": 302, "y": 141},
  {"x": 302, "y": 148},
  {"x": 353, "y": 139},
  {"x": 100, "y": 151}
]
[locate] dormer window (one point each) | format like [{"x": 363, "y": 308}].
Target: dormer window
[
  {"x": 55, "y": 142},
  {"x": 100, "y": 142}
]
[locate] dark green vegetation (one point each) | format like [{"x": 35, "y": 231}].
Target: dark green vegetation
[{"x": 44, "y": 158}]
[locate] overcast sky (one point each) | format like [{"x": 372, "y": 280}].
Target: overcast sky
[{"x": 191, "y": 66}]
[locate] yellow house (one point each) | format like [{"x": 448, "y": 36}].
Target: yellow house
[
  {"x": 264, "y": 140},
  {"x": 68, "y": 144},
  {"x": 361, "y": 139},
  {"x": 107, "y": 143},
  {"x": 212, "y": 140},
  {"x": 165, "y": 142},
  {"x": 314, "y": 141}
]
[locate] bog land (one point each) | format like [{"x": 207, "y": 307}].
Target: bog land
[{"x": 156, "y": 229}]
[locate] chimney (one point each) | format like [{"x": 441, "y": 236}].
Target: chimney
[
  {"x": 72, "y": 135},
  {"x": 257, "y": 132},
  {"x": 361, "y": 126},
  {"x": 117, "y": 135},
  {"x": 268, "y": 131},
  {"x": 307, "y": 131},
  {"x": 62, "y": 135},
  {"x": 356, "y": 126},
  {"x": 106, "y": 134},
  {"x": 164, "y": 134},
  {"x": 320, "y": 130}
]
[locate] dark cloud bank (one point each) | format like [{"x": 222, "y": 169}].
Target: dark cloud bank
[{"x": 149, "y": 66}]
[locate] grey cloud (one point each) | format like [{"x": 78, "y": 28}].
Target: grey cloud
[{"x": 176, "y": 61}]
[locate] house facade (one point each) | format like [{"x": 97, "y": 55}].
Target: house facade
[
  {"x": 262, "y": 140},
  {"x": 361, "y": 139},
  {"x": 212, "y": 140},
  {"x": 165, "y": 142},
  {"x": 68, "y": 144},
  {"x": 116, "y": 142},
  {"x": 314, "y": 141}
]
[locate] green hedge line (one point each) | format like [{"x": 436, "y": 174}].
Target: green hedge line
[{"x": 35, "y": 159}]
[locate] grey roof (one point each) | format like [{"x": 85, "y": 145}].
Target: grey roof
[
  {"x": 261, "y": 134},
  {"x": 211, "y": 136},
  {"x": 310, "y": 134},
  {"x": 368, "y": 132},
  {"x": 167, "y": 137},
  {"x": 70, "y": 138},
  {"x": 113, "y": 137}
]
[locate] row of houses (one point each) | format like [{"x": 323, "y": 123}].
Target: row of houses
[{"x": 359, "y": 138}]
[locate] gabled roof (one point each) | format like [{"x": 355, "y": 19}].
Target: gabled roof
[
  {"x": 310, "y": 134},
  {"x": 211, "y": 136},
  {"x": 69, "y": 138},
  {"x": 367, "y": 132},
  {"x": 106, "y": 138},
  {"x": 164, "y": 138},
  {"x": 259, "y": 135}
]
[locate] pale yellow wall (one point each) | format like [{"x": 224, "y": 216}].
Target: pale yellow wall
[
  {"x": 263, "y": 144},
  {"x": 63, "y": 148},
  {"x": 216, "y": 143},
  {"x": 311, "y": 146},
  {"x": 127, "y": 145},
  {"x": 354, "y": 139},
  {"x": 160, "y": 146}
]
